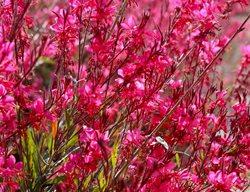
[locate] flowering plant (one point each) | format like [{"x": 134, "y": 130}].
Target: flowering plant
[{"x": 111, "y": 95}]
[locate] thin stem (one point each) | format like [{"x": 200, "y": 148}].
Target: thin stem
[{"x": 119, "y": 14}]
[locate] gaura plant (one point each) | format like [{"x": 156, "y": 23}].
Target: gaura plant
[{"x": 123, "y": 95}]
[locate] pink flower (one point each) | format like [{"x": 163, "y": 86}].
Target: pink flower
[
  {"x": 134, "y": 137},
  {"x": 245, "y": 50},
  {"x": 130, "y": 24},
  {"x": 221, "y": 180},
  {"x": 2, "y": 90},
  {"x": 38, "y": 105},
  {"x": 140, "y": 85}
]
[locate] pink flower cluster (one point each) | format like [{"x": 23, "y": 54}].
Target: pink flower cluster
[{"x": 123, "y": 95}]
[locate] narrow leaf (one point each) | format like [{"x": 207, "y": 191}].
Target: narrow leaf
[{"x": 177, "y": 159}]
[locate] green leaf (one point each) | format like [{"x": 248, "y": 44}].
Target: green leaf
[
  {"x": 86, "y": 182},
  {"x": 96, "y": 189},
  {"x": 177, "y": 159},
  {"x": 46, "y": 60},
  {"x": 31, "y": 157},
  {"x": 76, "y": 181},
  {"x": 73, "y": 140},
  {"x": 102, "y": 181},
  {"x": 69, "y": 121},
  {"x": 114, "y": 153},
  {"x": 51, "y": 144},
  {"x": 57, "y": 179},
  {"x": 233, "y": 149}
]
